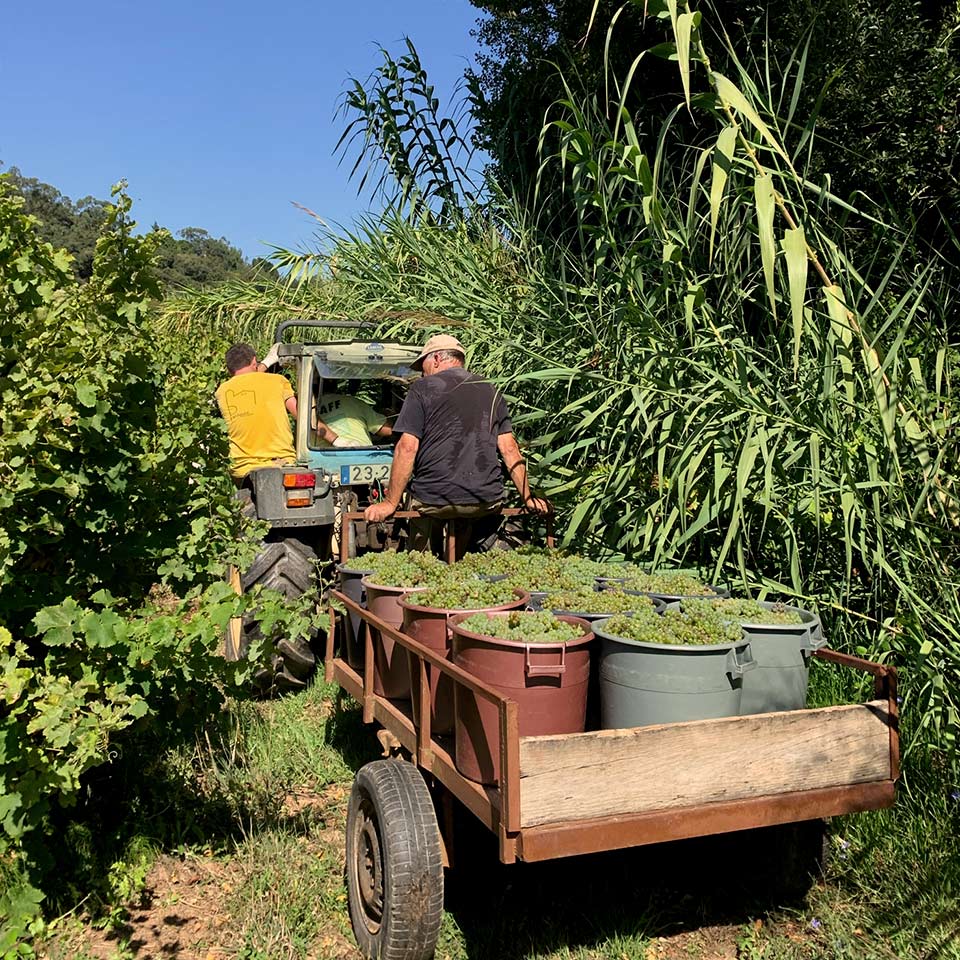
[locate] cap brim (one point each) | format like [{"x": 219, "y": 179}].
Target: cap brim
[{"x": 418, "y": 363}]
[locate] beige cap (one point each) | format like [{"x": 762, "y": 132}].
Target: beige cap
[{"x": 440, "y": 341}]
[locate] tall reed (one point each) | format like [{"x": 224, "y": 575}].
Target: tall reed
[{"x": 701, "y": 372}]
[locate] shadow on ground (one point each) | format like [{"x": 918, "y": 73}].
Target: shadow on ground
[{"x": 519, "y": 910}]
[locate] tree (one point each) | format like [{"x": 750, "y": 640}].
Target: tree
[
  {"x": 192, "y": 259},
  {"x": 881, "y": 77}
]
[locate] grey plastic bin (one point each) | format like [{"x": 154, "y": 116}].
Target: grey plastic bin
[
  {"x": 649, "y": 683},
  {"x": 782, "y": 652},
  {"x": 350, "y": 577}
]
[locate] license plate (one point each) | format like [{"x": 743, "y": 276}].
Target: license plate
[{"x": 364, "y": 472}]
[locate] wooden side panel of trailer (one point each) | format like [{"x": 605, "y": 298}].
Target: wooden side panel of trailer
[{"x": 613, "y": 773}]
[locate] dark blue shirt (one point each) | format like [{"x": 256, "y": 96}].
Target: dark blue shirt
[{"x": 457, "y": 418}]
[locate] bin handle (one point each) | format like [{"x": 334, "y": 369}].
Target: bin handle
[
  {"x": 544, "y": 669},
  {"x": 738, "y": 666},
  {"x": 813, "y": 645}
]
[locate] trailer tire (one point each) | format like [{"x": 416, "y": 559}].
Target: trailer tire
[
  {"x": 393, "y": 863},
  {"x": 793, "y": 857}
]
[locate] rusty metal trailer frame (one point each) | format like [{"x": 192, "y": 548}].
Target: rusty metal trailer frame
[
  {"x": 357, "y": 516},
  {"x": 498, "y": 807}
]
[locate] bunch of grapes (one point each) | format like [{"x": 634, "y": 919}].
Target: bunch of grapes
[
  {"x": 673, "y": 627},
  {"x": 471, "y": 594},
  {"x": 617, "y": 569},
  {"x": 547, "y": 579},
  {"x": 742, "y": 611},
  {"x": 594, "y": 601},
  {"x": 667, "y": 584},
  {"x": 523, "y": 627},
  {"x": 409, "y": 569},
  {"x": 494, "y": 562}
]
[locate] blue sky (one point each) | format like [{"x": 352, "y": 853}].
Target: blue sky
[{"x": 219, "y": 114}]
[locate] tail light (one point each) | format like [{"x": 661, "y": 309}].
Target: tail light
[
  {"x": 299, "y": 487},
  {"x": 298, "y": 480}
]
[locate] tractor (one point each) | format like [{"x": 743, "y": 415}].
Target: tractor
[{"x": 303, "y": 502}]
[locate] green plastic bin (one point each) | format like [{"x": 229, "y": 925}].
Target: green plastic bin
[
  {"x": 649, "y": 683},
  {"x": 782, "y": 652}
]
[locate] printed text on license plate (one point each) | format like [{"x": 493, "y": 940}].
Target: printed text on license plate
[{"x": 364, "y": 472}]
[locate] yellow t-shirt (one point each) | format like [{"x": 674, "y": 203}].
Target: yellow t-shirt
[
  {"x": 257, "y": 420},
  {"x": 350, "y": 418}
]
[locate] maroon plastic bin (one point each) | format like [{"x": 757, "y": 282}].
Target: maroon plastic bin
[
  {"x": 430, "y": 626},
  {"x": 391, "y": 668},
  {"x": 548, "y": 681}
]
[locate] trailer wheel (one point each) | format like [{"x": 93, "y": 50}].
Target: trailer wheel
[
  {"x": 393, "y": 863},
  {"x": 792, "y": 857}
]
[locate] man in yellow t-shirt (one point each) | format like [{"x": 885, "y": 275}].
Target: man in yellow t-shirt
[
  {"x": 256, "y": 407},
  {"x": 345, "y": 421}
]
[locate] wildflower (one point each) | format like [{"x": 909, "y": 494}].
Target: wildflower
[
  {"x": 815, "y": 924},
  {"x": 955, "y": 794}
]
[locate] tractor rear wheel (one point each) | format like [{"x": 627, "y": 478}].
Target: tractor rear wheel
[{"x": 285, "y": 563}]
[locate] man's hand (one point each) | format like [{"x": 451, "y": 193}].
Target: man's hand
[
  {"x": 273, "y": 357},
  {"x": 538, "y": 504},
  {"x": 378, "y": 512}
]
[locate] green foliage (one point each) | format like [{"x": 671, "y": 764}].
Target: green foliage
[
  {"x": 901, "y": 60},
  {"x": 109, "y": 437},
  {"x": 407, "y": 152},
  {"x": 113, "y": 500},
  {"x": 193, "y": 258}
]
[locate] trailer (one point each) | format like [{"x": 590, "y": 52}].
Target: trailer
[{"x": 580, "y": 793}]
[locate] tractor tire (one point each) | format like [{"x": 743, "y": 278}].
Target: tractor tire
[
  {"x": 285, "y": 564},
  {"x": 394, "y": 863}
]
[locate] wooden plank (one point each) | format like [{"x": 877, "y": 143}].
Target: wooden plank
[
  {"x": 615, "y": 772},
  {"x": 616, "y": 833}
]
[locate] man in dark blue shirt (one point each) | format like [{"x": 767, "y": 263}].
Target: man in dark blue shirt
[{"x": 454, "y": 429}]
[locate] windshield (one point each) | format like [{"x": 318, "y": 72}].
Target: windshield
[{"x": 365, "y": 361}]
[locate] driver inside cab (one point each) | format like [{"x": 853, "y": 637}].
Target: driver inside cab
[{"x": 344, "y": 420}]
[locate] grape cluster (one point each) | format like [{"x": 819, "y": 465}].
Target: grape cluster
[
  {"x": 618, "y": 569},
  {"x": 472, "y": 594},
  {"x": 594, "y": 601},
  {"x": 742, "y": 611},
  {"x": 409, "y": 569},
  {"x": 668, "y": 584},
  {"x": 673, "y": 627},
  {"x": 523, "y": 627}
]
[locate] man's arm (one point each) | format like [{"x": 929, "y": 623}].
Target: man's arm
[
  {"x": 291, "y": 404},
  {"x": 404, "y": 455},
  {"x": 322, "y": 431},
  {"x": 384, "y": 430},
  {"x": 517, "y": 468}
]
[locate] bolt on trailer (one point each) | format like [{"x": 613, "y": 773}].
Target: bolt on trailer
[{"x": 569, "y": 794}]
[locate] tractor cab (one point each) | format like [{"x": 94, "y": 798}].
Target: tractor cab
[
  {"x": 309, "y": 496},
  {"x": 373, "y": 372}
]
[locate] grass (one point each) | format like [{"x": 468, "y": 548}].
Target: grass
[{"x": 265, "y": 881}]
